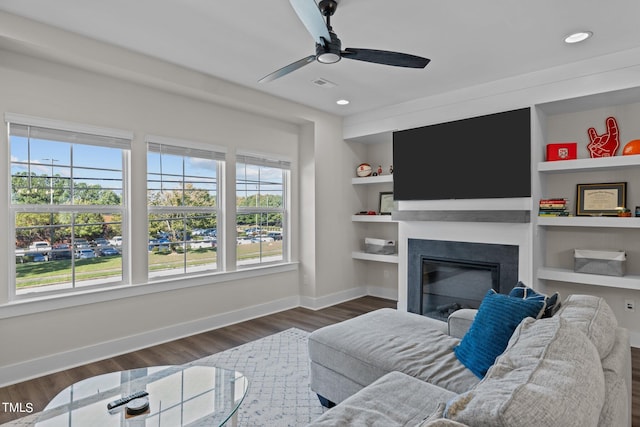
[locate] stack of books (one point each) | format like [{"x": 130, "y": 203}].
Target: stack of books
[{"x": 553, "y": 207}]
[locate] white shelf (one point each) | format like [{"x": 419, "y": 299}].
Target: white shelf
[
  {"x": 589, "y": 221},
  {"x": 371, "y": 218},
  {"x": 566, "y": 275},
  {"x": 375, "y": 257},
  {"x": 589, "y": 165},
  {"x": 372, "y": 179}
]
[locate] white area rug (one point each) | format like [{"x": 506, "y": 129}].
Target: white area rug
[{"x": 277, "y": 367}]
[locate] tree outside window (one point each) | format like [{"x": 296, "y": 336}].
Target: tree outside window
[
  {"x": 261, "y": 200},
  {"x": 66, "y": 195},
  {"x": 182, "y": 195}
]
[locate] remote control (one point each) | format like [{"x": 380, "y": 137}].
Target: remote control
[{"x": 126, "y": 399}]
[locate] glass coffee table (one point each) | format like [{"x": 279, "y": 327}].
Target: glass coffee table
[{"x": 178, "y": 396}]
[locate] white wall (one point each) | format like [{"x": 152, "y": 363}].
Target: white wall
[{"x": 50, "y": 73}]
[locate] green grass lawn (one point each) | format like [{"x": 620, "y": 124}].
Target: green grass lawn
[{"x": 35, "y": 274}]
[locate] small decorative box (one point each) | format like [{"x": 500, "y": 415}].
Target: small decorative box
[
  {"x": 608, "y": 263},
  {"x": 379, "y": 246},
  {"x": 562, "y": 151}
]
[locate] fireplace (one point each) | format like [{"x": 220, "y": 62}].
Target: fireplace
[{"x": 444, "y": 276}]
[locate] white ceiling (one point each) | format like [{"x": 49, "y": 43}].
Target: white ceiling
[{"x": 468, "y": 41}]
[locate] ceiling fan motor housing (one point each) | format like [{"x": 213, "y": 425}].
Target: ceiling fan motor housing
[{"x": 329, "y": 53}]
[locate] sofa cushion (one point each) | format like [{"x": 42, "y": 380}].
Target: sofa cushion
[
  {"x": 618, "y": 378},
  {"x": 369, "y": 346},
  {"x": 488, "y": 336},
  {"x": 442, "y": 422},
  {"x": 552, "y": 303},
  {"x": 460, "y": 321},
  {"x": 550, "y": 375},
  {"x": 436, "y": 419},
  {"x": 395, "y": 399},
  {"x": 593, "y": 316}
]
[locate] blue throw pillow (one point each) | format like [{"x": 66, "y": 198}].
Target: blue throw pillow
[
  {"x": 489, "y": 334},
  {"x": 552, "y": 303}
]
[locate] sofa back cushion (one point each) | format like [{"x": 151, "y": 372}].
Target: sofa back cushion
[
  {"x": 550, "y": 374},
  {"x": 593, "y": 316}
]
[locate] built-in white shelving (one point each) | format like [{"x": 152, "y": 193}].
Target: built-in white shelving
[
  {"x": 589, "y": 165},
  {"x": 371, "y": 218},
  {"x": 566, "y": 275},
  {"x": 376, "y": 151},
  {"x": 375, "y": 257},
  {"x": 589, "y": 221},
  {"x": 560, "y": 177},
  {"x": 372, "y": 179}
]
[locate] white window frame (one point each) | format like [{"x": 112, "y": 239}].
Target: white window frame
[
  {"x": 278, "y": 162},
  {"x": 115, "y": 138},
  {"x": 161, "y": 144}
]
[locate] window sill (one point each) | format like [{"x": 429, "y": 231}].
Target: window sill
[{"x": 26, "y": 305}]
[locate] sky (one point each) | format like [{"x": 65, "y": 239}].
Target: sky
[{"x": 93, "y": 163}]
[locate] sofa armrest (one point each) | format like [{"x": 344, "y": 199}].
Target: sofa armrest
[{"x": 460, "y": 320}]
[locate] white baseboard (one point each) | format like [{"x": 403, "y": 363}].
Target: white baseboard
[
  {"x": 380, "y": 292},
  {"x": 34, "y": 368},
  {"x": 332, "y": 299},
  {"x": 346, "y": 295}
]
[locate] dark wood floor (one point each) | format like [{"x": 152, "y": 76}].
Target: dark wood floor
[{"x": 39, "y": 391}]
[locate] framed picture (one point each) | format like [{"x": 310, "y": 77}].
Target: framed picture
[
  {"x": 385, "y": 204},
  {"x": 601, "y": 199}
]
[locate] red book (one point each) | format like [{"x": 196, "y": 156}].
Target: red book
[{"x": 553, "y": 201}]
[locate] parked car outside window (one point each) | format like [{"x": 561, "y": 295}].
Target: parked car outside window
[
  {"x": 259, "y": 239},
  {"x": 34, "y": 257},
  {"x": 100, "y": 241},
  {"x": 276, "y": 235},
  {"x": 39, "y": 246},
  {"x": 85, "y": 253},
  {"x": 82, "y": 244},
  {"x": 107, "y": 251},
  {"x": 60, "y": 251}
]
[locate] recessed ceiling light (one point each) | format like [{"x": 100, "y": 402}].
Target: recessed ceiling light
[
  {"x": 342, "y": 102},
  {"x": 578, "y": 37}
]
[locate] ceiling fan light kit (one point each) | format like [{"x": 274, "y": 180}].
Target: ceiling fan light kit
[
  {"x": 329, "y": 52},
  {"x": 328, "y": 45}
]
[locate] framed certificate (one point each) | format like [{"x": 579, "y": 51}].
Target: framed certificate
[
  {"x": 601, "y": 199},
  {"x": 385, "y": 204}
]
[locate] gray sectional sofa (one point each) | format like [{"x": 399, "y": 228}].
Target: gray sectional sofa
[{"x": 393, "y": 368}]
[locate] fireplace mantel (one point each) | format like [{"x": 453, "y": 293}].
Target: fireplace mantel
[
  {"x": 507, "y": 210},
  {"x": 510, "y": 216}
]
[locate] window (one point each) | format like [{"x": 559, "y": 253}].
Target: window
[
  {"x": 261, "y": 208},
  {"x": 67, "y": 203},
  {"x": 183, "y": 200}
]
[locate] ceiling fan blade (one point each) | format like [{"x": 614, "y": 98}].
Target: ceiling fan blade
[
  {"x": 287, "y": 69},
  {"x": 386, "y": 57},
  {"x": 311, "y": 17}
]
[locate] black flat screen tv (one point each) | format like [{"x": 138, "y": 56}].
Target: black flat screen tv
[{"x": 476, "y": 158}]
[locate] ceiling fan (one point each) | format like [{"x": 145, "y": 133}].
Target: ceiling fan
[{"x": 328, "y": 45}]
